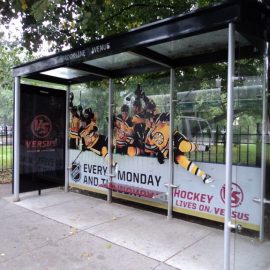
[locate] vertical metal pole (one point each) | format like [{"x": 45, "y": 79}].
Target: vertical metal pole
[
  {"x": 264, "y": 136},
  {"x": 17, "y": 101},
  {"x": 110, "y": 143},
  {"x": 171, "y": 164},
  {"x": 229, "y": 137},
  {"x": 67, "y": 169}
]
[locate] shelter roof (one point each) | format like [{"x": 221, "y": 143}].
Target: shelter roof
[{"x": 196, "y": 37}]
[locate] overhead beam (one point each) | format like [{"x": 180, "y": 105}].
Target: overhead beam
[
  {"x": 248, "y": 30},
  {"x": 123, "y": 72},
  {"x": 85, "y": 79},
  {"x": 47, "y": 78},
  {"x": 153, "y": 56},
  {"x": 216, "y": 57},
  {"x": 100, "y": 72},
  {"x": 138, "y": 70},
  {"x": 201, "y": 59}
]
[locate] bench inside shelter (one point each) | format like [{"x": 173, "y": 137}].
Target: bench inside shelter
[{"x": 131, "y": 190}]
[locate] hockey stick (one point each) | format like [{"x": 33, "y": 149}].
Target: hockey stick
[
  {"x": 80, "y": 153},
  {"x": 77, "y": 157}
]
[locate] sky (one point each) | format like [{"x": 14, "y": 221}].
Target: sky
[{"x": 13, "y": 31}]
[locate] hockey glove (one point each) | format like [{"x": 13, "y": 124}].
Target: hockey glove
[
  {"x": 160, "y": 158},
  {"x": 84, "y": 147}
]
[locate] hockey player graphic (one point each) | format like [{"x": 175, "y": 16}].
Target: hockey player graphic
[
  {"x": 138, "y": 122},
  {"x": 75, "y": 123},
  {"x": 124, "y": 132},
  {"x": 74, "y": 129},
  {"x": 157, "y": 139},
  {"x": 91, "y": 139},
  {"x": 138, "y": 119}
]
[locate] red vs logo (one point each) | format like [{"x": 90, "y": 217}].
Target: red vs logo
[
  {"x": 41, "y": 126},
  {"x": 237, "y": 195}
]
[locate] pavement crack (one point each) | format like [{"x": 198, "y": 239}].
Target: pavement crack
[{"x": 188, "y": 246}]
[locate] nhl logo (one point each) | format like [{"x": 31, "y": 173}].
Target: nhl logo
[{"x": 76, "y": 172}]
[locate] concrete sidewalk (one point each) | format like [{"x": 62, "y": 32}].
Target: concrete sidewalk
[{"x": 59, "y": 230}]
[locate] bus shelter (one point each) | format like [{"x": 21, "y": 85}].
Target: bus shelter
[{"x": 102, "y": 156}]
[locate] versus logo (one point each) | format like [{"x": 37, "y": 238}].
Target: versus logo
[
  {"x": 76, "y": 172},
  {"x": 41, "y": 126},
  {"x": 237, "y": 195}
]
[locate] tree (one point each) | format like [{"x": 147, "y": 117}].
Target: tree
[
  {"x": 72, "y": 23},
  {"x": 9, "y": 57},
  {"x": 66, "y": 23}
]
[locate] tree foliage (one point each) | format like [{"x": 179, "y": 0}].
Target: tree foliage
[
  {"x": 9, "y": 57},
  {"x": 66, "y": 23},
  {"x": 72, "y": 23}
]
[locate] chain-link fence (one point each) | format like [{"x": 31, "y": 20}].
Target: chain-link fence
[
  {"x": 6, "y": 148},
  {"x": 246, "y": 146}
]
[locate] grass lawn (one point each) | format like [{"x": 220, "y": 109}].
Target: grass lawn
[
  {"x": 5, "y": 157},
  {"x": 243, "y": 154}
]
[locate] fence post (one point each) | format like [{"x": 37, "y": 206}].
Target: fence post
[
  {"x": 258, "y": 145},
  {"x": 216, "y": 141},
  {"x": 224, "y": 144},
  {"x": 239, "y": 140},
  {"x": 6, "y": 144},
  {"x": 2, "y": 152}
]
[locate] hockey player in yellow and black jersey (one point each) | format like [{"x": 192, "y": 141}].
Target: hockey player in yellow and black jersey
[
  {"x": 124, "y": 131},
  {"x": 138, "y": 119},
  {"x": 157, "y": 139},
  {"x": 74, "y": 129},
  {"x": 139, "y": 125},
  {"x": 75, "y": 123},
  {"x": 138, "y": 122},
  {"x": 91, "y": 139}
]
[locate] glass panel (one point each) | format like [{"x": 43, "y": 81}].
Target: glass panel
[
  {"x": 117, "y": 61},
  {"x": 42, "y": 138},
  {"x": 139, "y": 149},
  {"x": 200, "y": 44},
  {"x": 88, "y": 137},
  {"x": 65, "y": 73},
  {"x": 199, "y": 108},
  {"x": 247, "y": 139}
]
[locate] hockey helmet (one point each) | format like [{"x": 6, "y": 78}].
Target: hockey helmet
[
  {"x": 151, "y": 105},
  {"x": 125, "y": 108},
  {"x": 74, "y": 108},
  {"x": 88, "y": 113},
  {"x": 137, "y": 103}
]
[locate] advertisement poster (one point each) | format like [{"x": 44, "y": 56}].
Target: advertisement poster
[
  {"x": 140, "y": 163},
  {"x": 42, "y": 138},
  {"x": 146, "y": 183}
]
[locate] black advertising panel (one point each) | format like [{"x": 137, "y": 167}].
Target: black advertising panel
[{"x": 42, "y": 138}]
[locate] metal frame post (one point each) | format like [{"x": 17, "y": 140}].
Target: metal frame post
[
  {"x": 229, "y": 140},
  {"x": 67, "y": 166},
  {"x": 171, "y": 164},
  {"x": 264, "y": 136},
  {"x": 17, "y": 103},
  {"x": 110, "y": 142}
]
